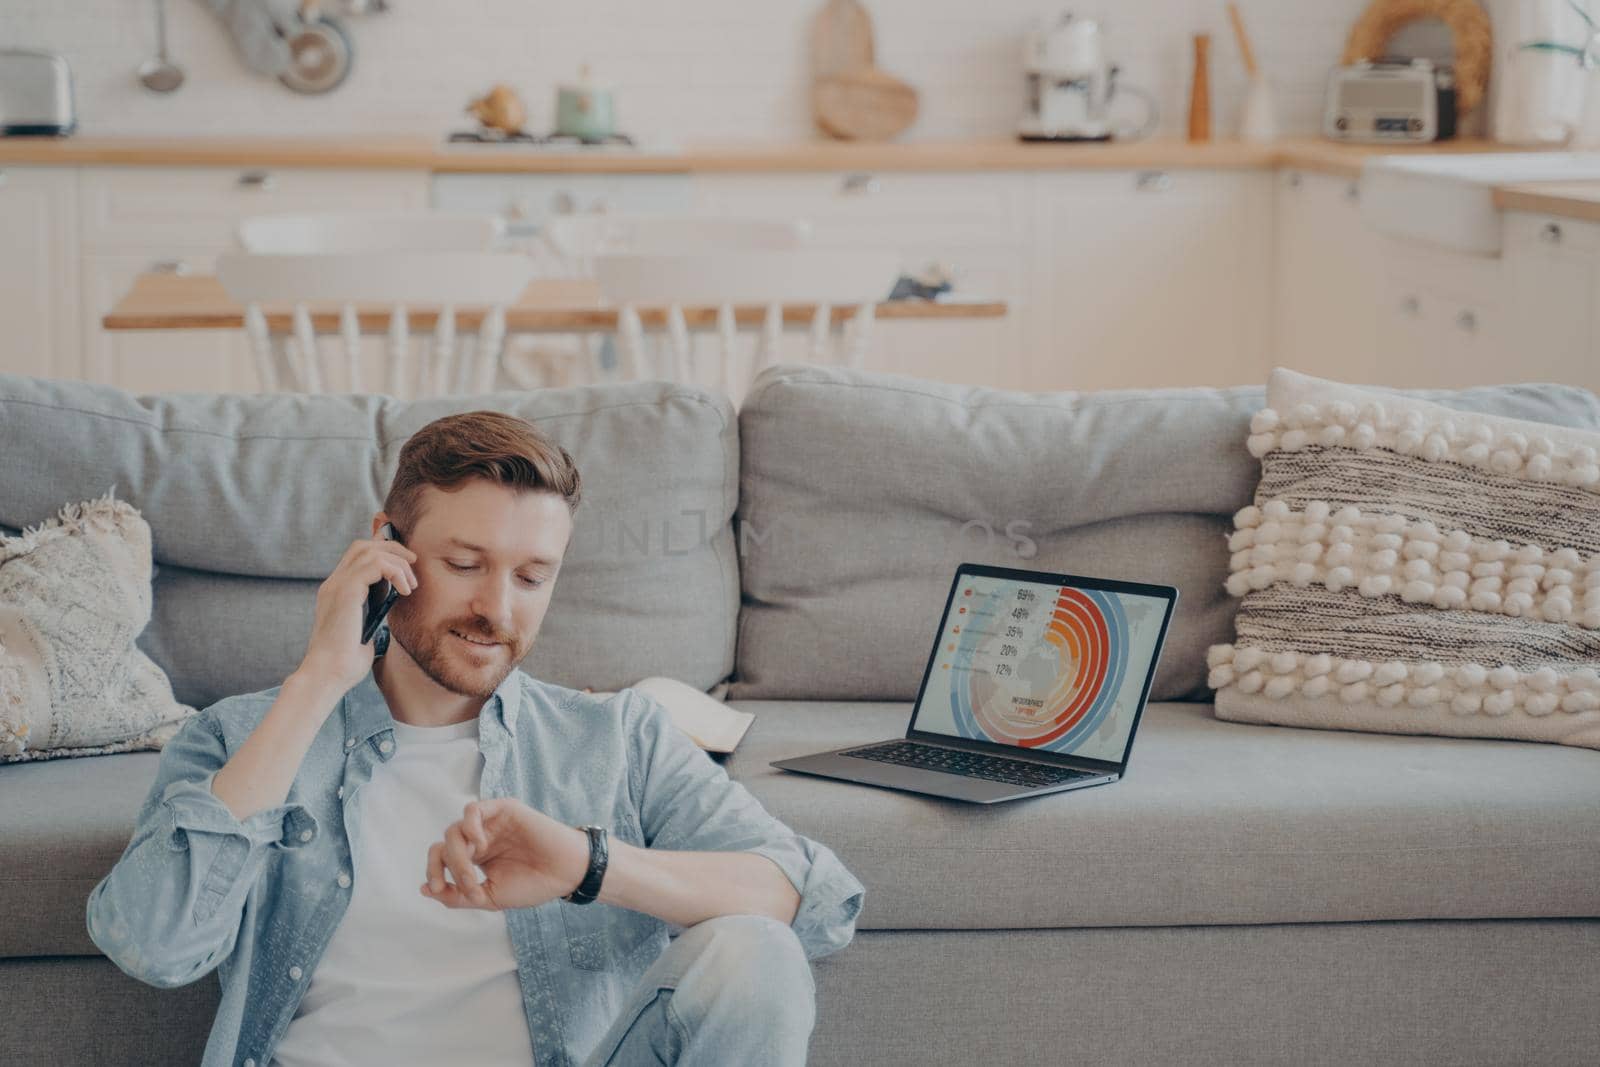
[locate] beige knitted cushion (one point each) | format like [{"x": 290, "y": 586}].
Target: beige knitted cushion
[
  {"x": 1408, "y": 568},
  {"x": 74, "y": 594}
]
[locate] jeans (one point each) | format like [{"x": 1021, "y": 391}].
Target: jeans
[{"x": 735, "y": 989}]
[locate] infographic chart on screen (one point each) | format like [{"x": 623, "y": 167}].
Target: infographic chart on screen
[{"x": 1048, "y": 667}]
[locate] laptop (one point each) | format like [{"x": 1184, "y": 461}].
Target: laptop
[{"x": 1035, "y": 685}]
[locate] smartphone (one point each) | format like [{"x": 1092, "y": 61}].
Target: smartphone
[{"x": 381, "y": 595}]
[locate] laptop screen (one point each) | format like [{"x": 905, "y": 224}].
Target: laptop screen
[{"x": 1042, "y": 665}]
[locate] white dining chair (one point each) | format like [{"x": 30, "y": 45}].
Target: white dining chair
[
  {"x": 573, "y": 241},
  {"x": 760, "y": 283},
  {"x": 368, "y": 231},
  {"x": 332, "y": 292},
  {"x": 567, "y": 245}
]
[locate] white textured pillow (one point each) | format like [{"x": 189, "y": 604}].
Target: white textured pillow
[
  {"x": 74, "y": 595},
  {"x": 1409, "y": 568}
]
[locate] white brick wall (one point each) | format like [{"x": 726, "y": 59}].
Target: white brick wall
[{"x": 691, "y": 70}]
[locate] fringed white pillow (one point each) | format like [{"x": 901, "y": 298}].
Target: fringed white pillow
[
  {"x": 1408, "y": 568},
  {"x": 74, "y": 595}
]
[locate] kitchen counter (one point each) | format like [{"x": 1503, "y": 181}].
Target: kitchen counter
[
  {"x": 1574, "y": 200},
  {"x": 743, "y": 156}
]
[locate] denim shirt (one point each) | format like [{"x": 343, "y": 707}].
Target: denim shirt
[{"x": 259, "y": 900}]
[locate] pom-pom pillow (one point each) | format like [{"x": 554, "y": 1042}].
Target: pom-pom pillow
[
  {"x": 1409, "y": 568},
  {"x": 74, "y": 595}
]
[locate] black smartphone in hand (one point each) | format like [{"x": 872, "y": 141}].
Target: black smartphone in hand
[{"x": 381, "y": 595}]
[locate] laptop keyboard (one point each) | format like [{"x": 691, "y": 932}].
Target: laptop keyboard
[{"x": 967, "y": 764}]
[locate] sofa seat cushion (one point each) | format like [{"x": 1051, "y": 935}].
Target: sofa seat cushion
[
  {"x": 1217, "y": 822},
  {"x": 65, "y": 824}
]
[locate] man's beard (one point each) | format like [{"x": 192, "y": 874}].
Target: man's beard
[{"x": 426, "y": 647}]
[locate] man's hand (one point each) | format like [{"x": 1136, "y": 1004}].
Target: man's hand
[
  {"x": 335, "y": 654},
  {"x": 527, "y": 858}
]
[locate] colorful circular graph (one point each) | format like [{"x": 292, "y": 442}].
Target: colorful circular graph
[{"x": 1050, "y": 688}]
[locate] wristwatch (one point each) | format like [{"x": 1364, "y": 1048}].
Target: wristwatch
[{"x": 589, "y": 889}]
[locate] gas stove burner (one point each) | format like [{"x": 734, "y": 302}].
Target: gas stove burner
[
  {"x": 491, "y": 137},
  {"x": 523, "y": 138},
  {"x": 569, "y": 138}
]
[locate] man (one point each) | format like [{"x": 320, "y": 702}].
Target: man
[{"x": 320, "y": 843}]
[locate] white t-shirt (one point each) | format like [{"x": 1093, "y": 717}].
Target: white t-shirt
[{"x": 406, "y": 980}]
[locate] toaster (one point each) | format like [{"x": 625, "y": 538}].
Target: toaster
[
  {"x": 1391, "y": 101},
  {"x": 35, "y": 95}
]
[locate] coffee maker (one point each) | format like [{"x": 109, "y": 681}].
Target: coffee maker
[{"x": 1071, "y": 87}]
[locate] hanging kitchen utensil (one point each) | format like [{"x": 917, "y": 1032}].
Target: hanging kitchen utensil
[
  {"x": 253, "y": 25},
  {"x": 320, "y": 52},
  {"x": 161, "y": 74}
]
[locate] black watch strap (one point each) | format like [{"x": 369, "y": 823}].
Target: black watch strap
[{"x": 589, "y": 889}]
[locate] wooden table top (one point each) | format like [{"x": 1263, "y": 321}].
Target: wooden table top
[{"x": 198, "y": 302}]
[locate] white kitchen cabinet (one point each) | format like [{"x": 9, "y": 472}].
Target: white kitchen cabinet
[
  {"x": 1151, "y": 278},
  {"x": 138, "y": 219},
  {"x": 139, "y": 208},
  {"x": 1552, "y": 286},
  {"x": 1441, "y": 319},
  {"x": 1325, "y": 279},
  {"x": 527, "y": 202},
  {"x": 38, "y": 272},
  {"x": 975, "y": 224}
]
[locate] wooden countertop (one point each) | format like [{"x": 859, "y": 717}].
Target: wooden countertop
[
  {"x": 198, "y": 302},
  {"x": 1574, "y": 200},
  {"x": 705, "y": 157}
]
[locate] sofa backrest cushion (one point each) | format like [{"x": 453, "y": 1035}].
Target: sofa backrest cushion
[
  {"x": 253, "y": 499},
  {"x": 861, "y": 492}
]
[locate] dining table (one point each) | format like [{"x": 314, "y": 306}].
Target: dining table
[{"x": 178, "y": 301}]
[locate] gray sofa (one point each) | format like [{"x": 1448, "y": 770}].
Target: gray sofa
[{"x": 1246, "y": 895}]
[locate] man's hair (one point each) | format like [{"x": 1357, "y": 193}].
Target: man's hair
[{"x": 499, "y": 448}]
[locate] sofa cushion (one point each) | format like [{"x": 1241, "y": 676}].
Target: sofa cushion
[
  {"x": 74, "y": 594},
  {"x": 253, "y": 499},
  {"x": 1217, "y": 823},
  {"x": 860, "y": 493},
  {"x": 66, "y": 823},
  {"x": 1408, "y": 569}
]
